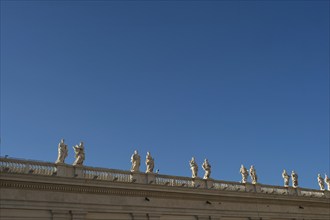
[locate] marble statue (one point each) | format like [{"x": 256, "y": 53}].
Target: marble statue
[
  {"x": 294, "y": 177},
  {"x": 79, "y": 151},
  {"x": 320, "y": 180},
  {"x": 327, "y": 181},
  {"x": 135, "y": 159},
  {"x": 207, "y": 168},
  {"x": 150, "y": 163},
  {"x": 253, "y": 175},
  {"x": 244, "y": 173},
  {"x": 193, "y": 167},
  {"x": 286, "y": 178},
  {"x": 62, "y": 152}
]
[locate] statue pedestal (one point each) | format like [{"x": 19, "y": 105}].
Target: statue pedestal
[
  {"x": 257, "y": 188},
  {"x": 293, "y": 191},
  {"x": 250, "y": 187},
  {"x": 64, "y": 170},
  {"x": 138, "y": 177},
  {"x": 78, "y": 172},
  {"x": 151, "y": 178},
  {"x": 209, "y": 183},
  {"x": 198, "y": 183}
]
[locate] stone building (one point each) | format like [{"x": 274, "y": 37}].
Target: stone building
[{"x": 39, "y": 190}]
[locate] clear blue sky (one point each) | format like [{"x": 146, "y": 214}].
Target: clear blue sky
[{"x": 237, "y": 82}]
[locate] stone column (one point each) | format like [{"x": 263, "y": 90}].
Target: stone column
[{"x": 60, "y": 215}]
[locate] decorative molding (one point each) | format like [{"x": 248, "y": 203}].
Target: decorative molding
[{"x": 153, "y": 191}]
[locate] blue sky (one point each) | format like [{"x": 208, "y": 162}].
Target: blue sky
[{"x": 237, "y": 82}]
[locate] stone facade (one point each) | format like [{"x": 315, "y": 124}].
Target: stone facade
[{"x": 39, "y": 190}]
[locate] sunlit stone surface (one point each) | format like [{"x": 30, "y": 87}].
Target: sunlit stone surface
[{"x": 58, "y": 191}]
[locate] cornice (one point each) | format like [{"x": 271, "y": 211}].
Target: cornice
[{"x": 77, "y": 185}]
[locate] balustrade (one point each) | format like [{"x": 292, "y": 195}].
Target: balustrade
[
  {"x": 174, "y": 181},
  {"x": 106, "y": 174},
  {"x": 27, "y": 167},
  {"x": 20, "y": 166}
]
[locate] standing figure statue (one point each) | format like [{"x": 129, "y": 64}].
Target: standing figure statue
[
  {"x": 150, "y": 163},
  {"x": 244, "y": 173},
  {"x": 207, "y": 168},
  {"x": 253, "y": 175},
  {"x": 286, "y": 178},
  {"x": 294, "y": 177},
  {"x": 79, "y": 150},
  {"x": 135, "y": 159},
  {"x": 193, "y": 167},
  {"x": 62, "y": 152},
  {"x": 327, "y": 181},
  {"x": 320, "y": 180}
]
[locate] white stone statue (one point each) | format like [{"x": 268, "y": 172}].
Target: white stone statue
[
  {"x": 193, "y": 167},
  {"x": 320, "y": 180},
  {"x": 62, "y": 152},
  {"x": 136, "y": 160},
  {"x": 79, "y": 150},
  {"x": 244, "y": 173},
  {"x": 253, "y": 175},
  {"x": 207, "y": 168},
  {"x": 327, "y": 181},
  {"x": 286, "y": 178},
  {"x": 150, "y": 163},
  {"x": 294, "y": 177}
]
